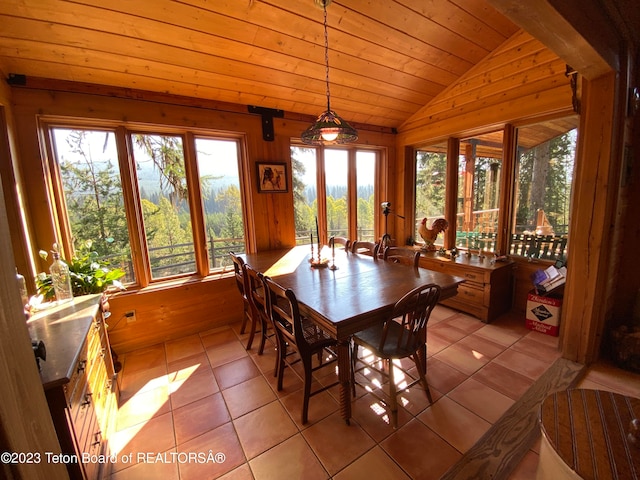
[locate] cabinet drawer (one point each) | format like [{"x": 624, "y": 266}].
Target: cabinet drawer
[
  {"x": 472, "y": 276},
  {"x": 470, "y": 293}
]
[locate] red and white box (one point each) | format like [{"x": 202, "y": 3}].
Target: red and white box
[{"x": 543, "y": 313}]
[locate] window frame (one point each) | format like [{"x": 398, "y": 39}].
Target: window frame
[
  {"x": 352, "y": 186},
  {"x": 507, "y": 181},
  {"x": 123, "y": 132}
]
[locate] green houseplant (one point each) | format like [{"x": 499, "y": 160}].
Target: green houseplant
[{"x": 89, "y": 274}]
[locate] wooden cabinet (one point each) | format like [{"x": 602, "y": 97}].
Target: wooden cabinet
[
  {"x": 487, "y": 291},
  {"x": 79, "y": 381}
]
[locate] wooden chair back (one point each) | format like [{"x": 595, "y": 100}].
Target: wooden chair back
[
  {"x": 345, "y": 242},
  {"x": 412, "y": 313},
  {"x": 256, "y": 293},
  {"x": 238, "y": 268},
  {"x": 367, "y": 248},
  {"x": 284, "y": 311},
  {"x": 408, "y": 256}
]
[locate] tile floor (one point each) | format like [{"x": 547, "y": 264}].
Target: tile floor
[{"x": 205, "y": 394}]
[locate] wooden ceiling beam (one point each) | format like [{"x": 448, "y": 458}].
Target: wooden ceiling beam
[{"x": 578, "y": 32}]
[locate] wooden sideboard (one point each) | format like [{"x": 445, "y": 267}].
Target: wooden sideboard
[
  {"x": 79, "y": 381},
  {"x": 488, "y": 289}
]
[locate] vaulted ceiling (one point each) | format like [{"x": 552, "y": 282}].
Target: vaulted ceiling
[{"x": 388, "y": 58}]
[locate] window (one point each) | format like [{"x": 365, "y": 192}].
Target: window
[
  {"x": 544, "y": 177},
  {"x": 431, "y": 171},
  {"x": 366, "y": 195},
  {"x": 478, "y": 199},
  {"x": 147, "y": 203},
  {"x": 346, "y": 215},
  {"x": 92, "y": 191}
]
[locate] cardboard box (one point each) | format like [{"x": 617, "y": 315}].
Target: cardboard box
[{"x": 543, "y": 313}]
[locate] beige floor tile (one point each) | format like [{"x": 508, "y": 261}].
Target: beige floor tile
[
  {"x": 218, "y": 337},
  {"x": 223, "y": 443},
  {"x": 441, "y": 313},
  {"x": 499, "y": 335},
  {"x": 247, "y": 396},
  {"x": 503, "y": 380},
  {"x": 320, "y": 406},
  {"x": 199, "y": 417},
  {"x": 145, "y": 358},
  {"x": 225, "y": 353},
  {"x": 530, "y": 346},
  {"x": 243, "y": 472},
  {"x": 348, "y": 442},
  {"x": 481, "y": 400},
  {"x": 153, "y": 436},
  {"x": 460, "y": 427},
  {"x": 465, "y": 323},
  {"x": 291, "y": 459},
  {"x": 183, "y": 347},
  {"x": 372, "y": 415},
  {"x": 482, "y": 346},
  {"x": 447, "y": 332},
  {"x": 139, "y": 381},
  {"x": 442, "y": 377},
  {"x": 372, "y": 465},
  {"x": 151, "y": 470},
  {"x": 264, "y": 428},
  {"x": 435, "y": 343},
  {"x": 523, "y": 363},
  {"x": 191, "y": 384},
  {"x": 407, "y": 448},
  {"x": 463, "y": 359},
  {"x": 266, "y": 362},
  {"x": 143, "y": 406},
  {"x": 235, "y": 372}
]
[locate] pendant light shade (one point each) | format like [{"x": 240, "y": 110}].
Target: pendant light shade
[{"x": 329, "y": 128}]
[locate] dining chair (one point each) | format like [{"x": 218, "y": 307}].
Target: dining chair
[
  {"x": 402, "y": 335},
  {"x": 367, "y": 248},
  {"x": 259, "y": 309},
  {"x": 345, "y": 242},
  {"x": 405, "y": 255},
  {"x": 238, "y": 267},
  {"x": 304, "y": 337}
]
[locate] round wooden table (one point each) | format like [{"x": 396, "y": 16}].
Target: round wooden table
[{"x": 588, "y": 434}]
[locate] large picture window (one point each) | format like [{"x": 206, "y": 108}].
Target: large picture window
[
  {"x": 431, "y": 171},
  {"x": 339, "y": 182},
  {"x": 125, "y": 191},
  {"x": 544, "y": 177}
]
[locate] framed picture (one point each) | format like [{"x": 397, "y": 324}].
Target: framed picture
[{"x": 272, "y": 178}]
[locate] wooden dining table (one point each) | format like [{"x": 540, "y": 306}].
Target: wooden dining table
[{"x": 361, "y": 291}]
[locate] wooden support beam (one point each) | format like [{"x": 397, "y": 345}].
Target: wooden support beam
[{"x": 571, "y": 29}]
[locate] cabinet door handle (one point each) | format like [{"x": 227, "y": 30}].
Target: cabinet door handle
[{"x": 97, "y": 438}]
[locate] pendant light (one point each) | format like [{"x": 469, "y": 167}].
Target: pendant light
[{"x": 329, "y": 128}]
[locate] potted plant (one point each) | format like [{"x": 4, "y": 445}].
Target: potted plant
[{"x": 89, "y": 274}]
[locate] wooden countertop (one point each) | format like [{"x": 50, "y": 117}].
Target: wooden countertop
[{"x": 63, "y": 329}]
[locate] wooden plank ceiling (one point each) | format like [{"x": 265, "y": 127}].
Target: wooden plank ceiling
[{"x": 388, "y": 58}]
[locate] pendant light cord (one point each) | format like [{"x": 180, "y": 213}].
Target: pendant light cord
[{"x": 326, "y": 57}]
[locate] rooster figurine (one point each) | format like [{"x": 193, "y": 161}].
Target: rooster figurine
[{"x": 429, "y": 235}]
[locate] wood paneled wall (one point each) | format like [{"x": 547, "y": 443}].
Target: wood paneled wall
[
  {"x": 517, "y": 82},
  {"x": 171, "y": 310}
]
